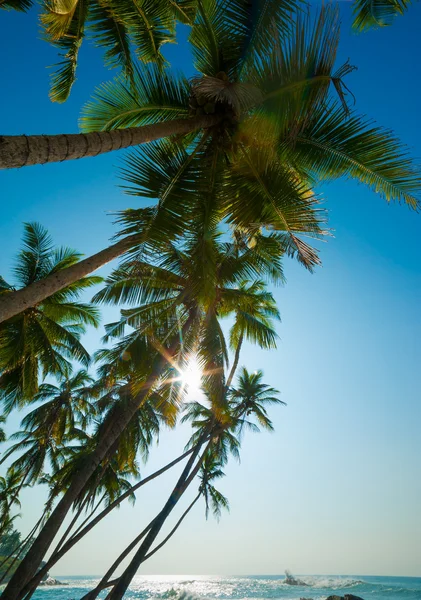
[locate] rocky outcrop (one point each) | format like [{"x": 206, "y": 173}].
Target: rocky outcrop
[
  {"x": 346, "y": 597},
  {"x": 290, "y": 580},
  {"x": 52, "y": 581}
]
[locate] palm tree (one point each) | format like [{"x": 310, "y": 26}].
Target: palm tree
[
  {"x": 273, "y": 131},
  {"x": 218, "y": 426},
  {"x": 42, "y": 339},
  {"x": 250, "y": 398},
  {"x": 9, "y": 497},
  {"x": 253, "y": 320},
  {"x": 48, "y": 427},
  {"x": 255, "y": 71},
  {"x": 177, "y": 317},
  {"x": 211, "y": 470}
]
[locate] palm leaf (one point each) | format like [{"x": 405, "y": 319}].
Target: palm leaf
[
  {"x": 377, "y": 13},
  {"x": 330, "y": 146},
  {"x": 156, "y": 95}
]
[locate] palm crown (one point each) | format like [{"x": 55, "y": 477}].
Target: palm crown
[
  {"x": 43, "y": 339},
  {"x": 283, "y": 125}
]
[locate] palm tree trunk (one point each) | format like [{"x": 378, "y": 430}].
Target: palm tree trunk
[
  {"x": 236, "y": 360},
  {"x": 112, "y": 430},
  {"x": 182, "y": 484},
  {"x": 105, "y": 580},
  {"x": 22, "y": 151},
  {"x": 104, "y": 583},
  {"x": 13, "y": 303},
  {"x": 80, "y": 533},
  {"x": 174, "y": 529}
]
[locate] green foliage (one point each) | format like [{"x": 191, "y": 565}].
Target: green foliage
[
  {"x": 377, "y": 13},
  {"x": 42, "y": 340},
  {"x": 269, "y": 73}
]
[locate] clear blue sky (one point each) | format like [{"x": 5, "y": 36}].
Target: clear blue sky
[{"x": 337, "y": 488}]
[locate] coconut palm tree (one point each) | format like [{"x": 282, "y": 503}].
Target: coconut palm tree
[
  {"x": 253, "y": 320},
  {"x": 278, "y": 123},
  {"x": 177, "y": 317},
  {"x": 219, "y": 426},
  {"x": 48, "y": 427},
  {"x": 211, "y": 470},
  {"x": 249, "y": 399},
  {"x": 9, "y": 497},
  {"x": 42, "y": 339},
  {"x": 251, "y": 62}
]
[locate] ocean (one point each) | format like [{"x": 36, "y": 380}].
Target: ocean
[{"x": 253, "y": 587}]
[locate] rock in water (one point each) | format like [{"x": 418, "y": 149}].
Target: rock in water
[
  {"x": 52, "y": 581},
  {"x": 346, "y": 597},
  {"x": 290, "y": 580}
]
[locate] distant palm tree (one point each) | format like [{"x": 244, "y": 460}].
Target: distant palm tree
[
  {"x": 50, "y": 426},
  {"x": 249, "y": 399},
  {"x": 43, "y": 339},
  {"x": 10, "y": 486},
  {"x": 211, "y": 470}
]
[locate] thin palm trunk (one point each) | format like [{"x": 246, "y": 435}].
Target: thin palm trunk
[
  {"x": 236, "y": 361},
  {"x": 20, "y": 548},
  {"x": 112, "y": 430},
  {"x": 105, "y": 583},
  {"x": 182, "y": 484},
  {"x": 86, "y": 520},
  {"x": 174, "y": 529},
  {"x": 80, "y": 533},
  {"x": 105, "y": 580},
  {"x": 22, "y": 151},
  {"x": 13, "y": 303}
]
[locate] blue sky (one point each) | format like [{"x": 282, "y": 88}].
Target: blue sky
[{"x": 336, "y": 489}]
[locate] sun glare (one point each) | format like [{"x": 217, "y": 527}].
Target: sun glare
[{"x": 192, "y": 376}]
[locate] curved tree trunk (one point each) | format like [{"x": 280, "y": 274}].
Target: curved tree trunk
[
  {"x": 182, "y": 484},
  {"x": 105, "y": 582},
  {"x": 22, "y": 151},
  {"x": 235, "y": 363},
  {"x": 81, "y": 532},
  {"x": 13, "y": 303},
  {"x": 110, "y": 433}
]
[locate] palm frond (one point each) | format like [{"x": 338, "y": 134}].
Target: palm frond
[
  {"x": 377, "y": 13},
  {"x": 330, "y": 147},
  {"x": 155, "y": 95}
]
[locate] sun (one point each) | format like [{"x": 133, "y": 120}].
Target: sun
[{"x": 192, "y": 377}]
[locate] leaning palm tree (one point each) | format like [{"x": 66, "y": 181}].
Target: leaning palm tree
[
  {"x": 269, "y": 110},
  {"x": 219, "y": 427},
  {"x": 177, "y": 317},
  {"x": 43, "y": 339},
  {"x": 251, "y": 62}
]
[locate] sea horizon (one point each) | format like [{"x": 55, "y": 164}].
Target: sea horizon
[{"x": 243, "y": 587}]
